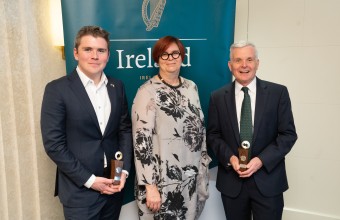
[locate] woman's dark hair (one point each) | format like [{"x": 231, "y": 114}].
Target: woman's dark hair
[{"x": 163, "y": 44}]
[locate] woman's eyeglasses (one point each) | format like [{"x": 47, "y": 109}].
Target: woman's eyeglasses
[{"x": 165, "y": 55}]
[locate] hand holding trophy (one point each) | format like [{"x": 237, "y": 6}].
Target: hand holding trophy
[
  {"x": 244, "y": 155},
  {"x": 116, "y": 168}
]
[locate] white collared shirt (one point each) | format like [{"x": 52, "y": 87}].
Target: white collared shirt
[
  {"x": 99, "y": 98},
  {"x": 102, "y": 106},
  {"x": 239, "y": 95}
]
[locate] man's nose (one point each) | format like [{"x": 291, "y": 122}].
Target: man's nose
[
  {"x": 244, "y": 63},
  {"x": 94, "y": 54}
]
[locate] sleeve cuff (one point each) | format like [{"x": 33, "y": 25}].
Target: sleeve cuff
[
  {"x": 90, "y": 181},
  {"x": 126, "y": 172}
]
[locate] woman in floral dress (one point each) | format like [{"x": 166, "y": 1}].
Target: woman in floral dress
[{"x": 169, "y": 140}]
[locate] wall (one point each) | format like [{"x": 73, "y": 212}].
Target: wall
[
  {"x": 299, "y": 46},
  {"x": 28, "y": 61}
]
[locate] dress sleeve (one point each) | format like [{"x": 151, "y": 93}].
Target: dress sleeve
[
  {"x": 203, "y": 168},
  {"x": 143, "y": 127}
]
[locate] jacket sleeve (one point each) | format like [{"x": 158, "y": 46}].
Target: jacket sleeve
[
  {"x": 125, "y": 136},
  {"x": 53, "y": 129}
]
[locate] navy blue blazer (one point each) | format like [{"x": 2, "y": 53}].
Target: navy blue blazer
[
  {"x": 273, "y": 137},
  {"x": 73, "y": 140}
]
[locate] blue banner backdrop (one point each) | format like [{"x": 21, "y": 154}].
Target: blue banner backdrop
[{"x": 206, "y": 29}]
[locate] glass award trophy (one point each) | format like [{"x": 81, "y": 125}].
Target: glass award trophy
[
  {"x": 116, "y": 168},
  {"x": 243, "y": 152}
]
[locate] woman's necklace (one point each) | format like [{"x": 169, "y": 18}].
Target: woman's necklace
[{"x": 171, "y": 86}]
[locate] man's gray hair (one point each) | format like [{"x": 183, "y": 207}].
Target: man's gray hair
[{"x": 241, "y": 44}]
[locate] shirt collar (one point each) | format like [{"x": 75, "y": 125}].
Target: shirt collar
[
  {"x": 251, "y": 86},
  {"x": 86, "y": 80}
]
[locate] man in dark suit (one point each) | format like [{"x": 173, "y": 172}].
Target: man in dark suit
[
  {"x": 258, "y": 191},
  {"x": 84, "y": 122}
]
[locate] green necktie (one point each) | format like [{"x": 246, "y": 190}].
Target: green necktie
[{"x": 246, "y": 128}]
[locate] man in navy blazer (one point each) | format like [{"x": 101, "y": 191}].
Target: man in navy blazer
[
  {"x": 84, "y": 122},
  {"x": 258, "y": 191}
]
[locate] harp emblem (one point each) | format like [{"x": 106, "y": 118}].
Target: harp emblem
[{"x": 152, "y": 11}]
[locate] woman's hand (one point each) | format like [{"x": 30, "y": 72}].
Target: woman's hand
[{"x": 153, "y": 198}]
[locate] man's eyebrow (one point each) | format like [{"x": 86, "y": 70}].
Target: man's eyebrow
[{"x": 99, "y": 48}]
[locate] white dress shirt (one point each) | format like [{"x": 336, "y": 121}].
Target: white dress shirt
[
  {"x": 102, "y": 106},
  {"x": 239, "y": 95}
]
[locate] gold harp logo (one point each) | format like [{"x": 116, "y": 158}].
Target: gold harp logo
[{"x": 152, "y": 11}]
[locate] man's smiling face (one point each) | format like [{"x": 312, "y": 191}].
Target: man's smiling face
[{"x": 244, "y": 64}]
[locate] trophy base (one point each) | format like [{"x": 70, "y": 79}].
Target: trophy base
[{"x": 243, "y": 167}]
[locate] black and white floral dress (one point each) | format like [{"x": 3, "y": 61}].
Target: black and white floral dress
[{"x": 170, "y": 149}]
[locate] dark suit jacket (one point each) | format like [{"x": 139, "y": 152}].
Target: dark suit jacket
[
  {"x": 273, "y": 137},
  {"x": 73, "y": 140}
]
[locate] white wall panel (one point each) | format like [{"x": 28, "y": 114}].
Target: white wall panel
[{"x": 299, "y": 46}]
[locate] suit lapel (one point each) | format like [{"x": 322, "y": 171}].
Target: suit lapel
[
  {"x": 261, "y": 101},
  {"x": 230, "y": 103},
  {"x": 112, "y": 92},
  {"x": 78, "y": 88}
]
